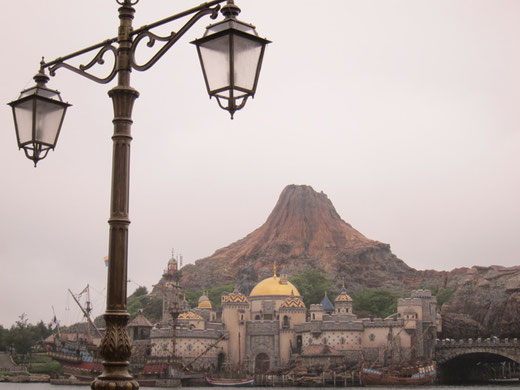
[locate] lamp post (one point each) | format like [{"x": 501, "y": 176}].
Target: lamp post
[{"x": 39, "y": 113}]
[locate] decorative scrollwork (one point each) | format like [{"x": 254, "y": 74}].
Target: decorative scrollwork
[
  {"x": 170, "y": 40},
  {"x": 127, "y": 2},
  {"x": 82, "y": 69},
  {"x": 116, "y": 345}
]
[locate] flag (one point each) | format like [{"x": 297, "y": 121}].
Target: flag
[
  {"x": 54, "y": 323},
  {"x": 106, "y": 261}
]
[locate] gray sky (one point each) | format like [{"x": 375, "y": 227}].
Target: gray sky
[{"x": 404, "y": 112}]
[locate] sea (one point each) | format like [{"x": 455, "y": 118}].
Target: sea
[{"x": 47, "y": 386}]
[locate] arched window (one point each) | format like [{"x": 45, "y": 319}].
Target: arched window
[
  {"x": 241, "y": 317},
  {"x": 285, "y": 321},
  {"x": 324, "y": 341},
  {"x": 372, "y": 337},
  {"x": 313, "y": 316},
  {"x": 257, "y": 317},
  {"x": 343, "y": 340}
]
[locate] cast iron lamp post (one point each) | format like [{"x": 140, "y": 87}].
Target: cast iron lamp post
[{"x": 227, "y": 50}]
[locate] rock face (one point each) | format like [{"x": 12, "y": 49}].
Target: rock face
[
  {"x": 486, "y": 303},
  {"x": 304, "y": 231}
]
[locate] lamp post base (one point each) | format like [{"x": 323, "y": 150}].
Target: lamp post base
[{"x": 116, "y": 350}]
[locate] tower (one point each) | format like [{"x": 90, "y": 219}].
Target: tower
[{"x": 235, "y": 314}]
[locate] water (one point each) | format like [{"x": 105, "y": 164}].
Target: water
[{"x": 47, "y": 386}]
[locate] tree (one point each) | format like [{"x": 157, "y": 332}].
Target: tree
[
  {"x": 379, "y": 303},
  {"x": 312, "y": 286},
  {"x": 3, "y": 338},
  {"x": 20, "y": 336}
]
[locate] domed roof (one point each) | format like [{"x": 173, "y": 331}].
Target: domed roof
[
  {"x": 189, "y": 316},
  {"x": 343, "y": 296},
  {"x": 204, "y": 302},
  {"x": 273, "y": 286},
  {"x": 235, "y": 297},
  {"x": 293, "y": 302}
]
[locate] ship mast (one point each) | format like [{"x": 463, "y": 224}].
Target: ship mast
[{"x": 86, "y": 312}]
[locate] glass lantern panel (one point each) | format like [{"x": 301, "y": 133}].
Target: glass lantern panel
[
  {"x": 47, "y": 121},
  {"x": 215, "y": 61},
  {"x": 24, "y": 120},
  {"x": 247, "y": 57}
]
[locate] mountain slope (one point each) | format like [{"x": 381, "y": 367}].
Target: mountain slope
[{"x": 304, "y": 230}]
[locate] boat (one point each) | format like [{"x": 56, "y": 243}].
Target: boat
[
  {"x": 77, "y": 352},
  {"x": 417, "y": 374},
  {"x": 423, "y": 375},
  {"x": 225, "y": 382}
]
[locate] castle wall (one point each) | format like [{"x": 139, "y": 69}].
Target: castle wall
[
  {"x": 263, "y": 337},
  {"x": 190, "y": 343}
]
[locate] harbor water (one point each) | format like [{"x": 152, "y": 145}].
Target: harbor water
[{"x": 47, "y": 386}]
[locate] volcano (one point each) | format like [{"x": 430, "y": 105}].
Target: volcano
[{"x": 303, "y": 231}]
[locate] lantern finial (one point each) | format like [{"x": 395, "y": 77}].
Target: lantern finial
[{"x": 230, "y": 10}]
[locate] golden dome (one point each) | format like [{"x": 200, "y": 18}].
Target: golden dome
[
  {"x": 189, "y": 316},
  {"x": 343, "y": 296},
  {"x": 204, "y": 302},
  {"x": 274, "y": 286}
]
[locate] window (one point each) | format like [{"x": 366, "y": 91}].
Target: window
[
  {"x": 372, "y": 337},
  {"x": 257, "y": 317},
  {"x": 343, "y": 340},
  {"x": 313, "y": 316},
  {"x": 324, "y": 341},
  {"x": 285, "y": 321},
  {"x": 189, "y": 347}
]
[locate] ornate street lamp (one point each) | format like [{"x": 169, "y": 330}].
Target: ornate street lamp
[
  {"x": 39, "y": 114},
  {"x": 231, "y": 54}
]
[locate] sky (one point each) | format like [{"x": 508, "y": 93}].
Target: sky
[{"x": 404, "y": 112}]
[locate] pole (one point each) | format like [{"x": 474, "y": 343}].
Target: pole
[{"x": 115, "y": 347}]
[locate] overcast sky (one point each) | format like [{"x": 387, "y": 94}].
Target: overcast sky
[{"x": 404, "y": 112}]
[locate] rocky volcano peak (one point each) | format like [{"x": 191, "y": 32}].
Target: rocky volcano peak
[{"x": 303, "y": 231}]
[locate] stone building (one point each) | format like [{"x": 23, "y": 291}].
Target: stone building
[{"x": 271, "y": 328}]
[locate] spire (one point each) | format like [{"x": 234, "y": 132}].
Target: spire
[{"x": 274, "y": 268}]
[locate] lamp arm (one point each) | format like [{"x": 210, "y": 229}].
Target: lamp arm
[
  {"x": 170, "y": 40},
  {"x": 82, "y": 69},
  {"x": 140, "y": 33}
]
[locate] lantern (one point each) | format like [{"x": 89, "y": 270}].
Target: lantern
[
  {"x": 38, "y": 115},
  {"x": 231, "y": 54}
]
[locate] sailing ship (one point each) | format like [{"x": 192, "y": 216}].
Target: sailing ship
[
  {"x": 417, "y": 374},
  {"x": 77, "y": 352}
]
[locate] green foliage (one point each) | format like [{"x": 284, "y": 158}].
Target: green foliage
[
  {"x": 3, "y": 338},
  {"x": 214, "y": 294},
  {"x": 153, "y": 308},
  {"x": 38, "y": 358},
  {"x": 24, "y": 336},
  {"x": 141, "y": 301},
  {"x": 444, "y": 296},
  {"x": 136, "y": 304},
  {"x": 378, "y": 302},
  {"x": 312, "y": 286},
  {"x": 49, "y": 368},
  {"x": 139, "y": 292},
  {"x": 6, "y": 373}
]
